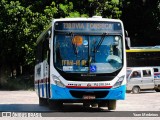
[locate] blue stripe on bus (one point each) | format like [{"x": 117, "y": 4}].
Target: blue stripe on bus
[
  {"x": 42, "y": 85},
  {"x": 46, "y": 90},
  {"x": 63, "y": 93}
]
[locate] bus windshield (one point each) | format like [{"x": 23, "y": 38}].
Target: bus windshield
[{"x": 85, "y": 53}]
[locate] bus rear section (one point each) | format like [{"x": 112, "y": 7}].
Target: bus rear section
[{"x": 87, "y": 63}]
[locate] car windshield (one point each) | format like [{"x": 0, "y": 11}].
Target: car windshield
[
  {"x": 128, "y": 73},
  {"x": 78, "y": 53}
]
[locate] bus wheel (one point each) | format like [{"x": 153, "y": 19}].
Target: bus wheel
[
  {"x": 43, "y": 101},
  {"x": 55, "y": 105},
  {"x": 135, "y": 90},
  {"x": 111, "y": 104}
]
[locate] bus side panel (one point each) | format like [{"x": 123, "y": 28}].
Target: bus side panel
[
  {"x": 41, "y": 80},
  {"x": 38, "y": 78},
  {"x": 44, "y": 85}
]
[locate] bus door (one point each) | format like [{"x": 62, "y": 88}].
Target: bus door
[{"x": 147, "y": 79}]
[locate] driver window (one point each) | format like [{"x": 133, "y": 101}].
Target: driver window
[{"x": 136, "y": 74}]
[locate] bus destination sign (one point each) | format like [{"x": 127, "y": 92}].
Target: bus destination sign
[{"x": 110, "y": 26}]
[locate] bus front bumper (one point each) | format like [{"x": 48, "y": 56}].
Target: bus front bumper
[{"x": 59, "y": 93}]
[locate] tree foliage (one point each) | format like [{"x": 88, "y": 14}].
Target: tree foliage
[{"x": 22, "y": 21}]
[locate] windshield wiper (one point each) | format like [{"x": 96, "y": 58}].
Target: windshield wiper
[
  {"x": 73, "y": 45},
  {"x": 89, "y": 63},
  {"x": 100, "y": 42}
]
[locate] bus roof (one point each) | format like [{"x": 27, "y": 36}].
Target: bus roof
[{"x": 87, "y": 19}]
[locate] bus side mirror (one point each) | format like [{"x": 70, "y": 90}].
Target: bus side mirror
[
  {"x": 49, "y": 43},
  {"x": 49, "y": 34},
  {"x": 49, "y": 38},
  {"x": 127, "y": 40}
]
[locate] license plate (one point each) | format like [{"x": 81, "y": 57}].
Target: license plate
[{"x": 89, "y": 97}]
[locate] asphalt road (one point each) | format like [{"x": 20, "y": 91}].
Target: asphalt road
[{"x": 27, "y": 101}]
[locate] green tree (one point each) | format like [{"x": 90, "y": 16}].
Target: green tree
[
  {"x": 104, "y": 8},
  {"x": 20, "y": 28},
  {"x": 21, "y": 22}
]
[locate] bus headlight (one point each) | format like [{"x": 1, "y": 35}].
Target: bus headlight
[
  {"x": 57, "y": 81},
  {"x": 119, "y": 82}
]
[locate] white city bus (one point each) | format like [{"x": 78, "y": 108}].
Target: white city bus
[{"x": 81, "y": 60}]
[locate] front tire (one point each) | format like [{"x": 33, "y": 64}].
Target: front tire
[
  {"x": 157, "y": 90},
  {"x": 136, "y": 90},
  {"x": 112, "y": 104}
]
